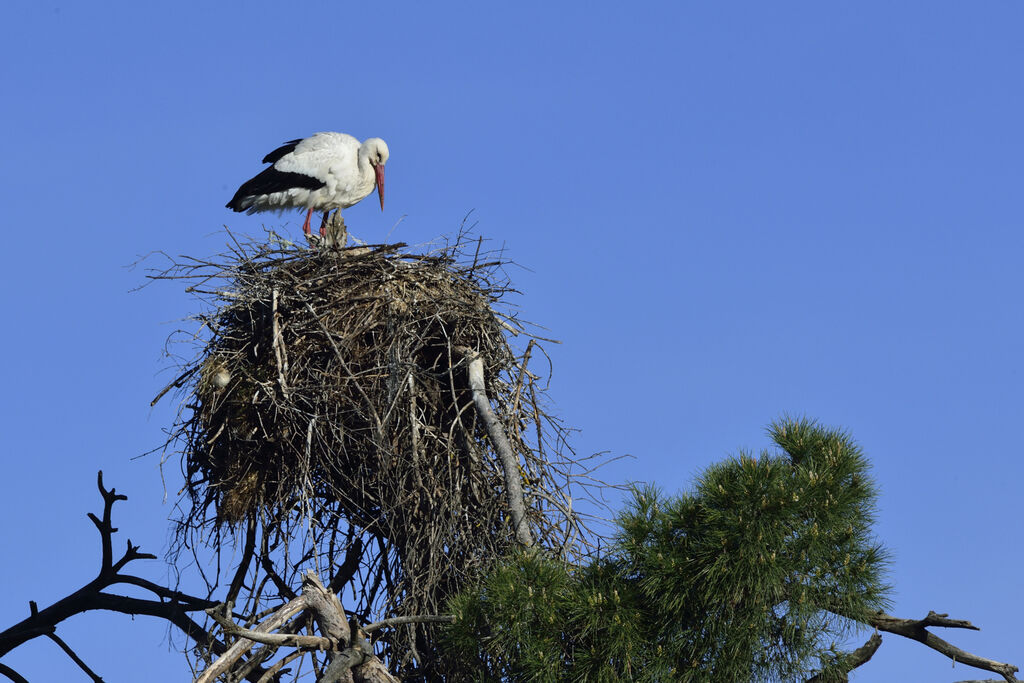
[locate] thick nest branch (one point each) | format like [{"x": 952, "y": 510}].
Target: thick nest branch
[{"x": 368, "y": 396}]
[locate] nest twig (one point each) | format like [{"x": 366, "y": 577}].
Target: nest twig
[{"x": 330, "y": 414}]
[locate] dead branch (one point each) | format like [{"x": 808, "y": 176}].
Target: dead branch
[
  {"x": 854, "y": 659},
  {"x": 274, "y": 672},
  {"x": 239, "y": 648},
  {"x": 509, "y": 461},
  {"x": 326, "y": 608},
  {"x": 12, "y": 674},
  {"x": 74, "y": 657},
  {"x": 917, "y": 629},
  {"x": 243, "y": 566},
  {"x": 295, "y": 640},
  {"x": 373, "y": 671},
  {"x": 350, "y": 655},
  {"x": 172, "y": 605},
  {"x": 418, "y": 619}
]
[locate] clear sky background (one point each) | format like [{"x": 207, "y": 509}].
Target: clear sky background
[{"x": 726, "y": 211}]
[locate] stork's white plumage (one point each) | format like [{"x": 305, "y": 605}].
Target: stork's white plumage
[{"x": 323, "y": 172}]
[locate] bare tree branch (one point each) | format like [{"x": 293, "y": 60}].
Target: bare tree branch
[
  {"x": 296, "y": 640},
  {"x": 372, "y": 671},
  {"x": 916, "y": 629},
  {"x": 359, "y": 653},
  {"x": 243, "y": 565},
  {"x": 173, "y": 606},
  {"x": 326, "y": 608},
  {"x": 348, "y": 567},
  {"x": 232, "y": 654},
  {"x": 854, "y": 659},
  {"x": 351, "y": 655},
  {"x": 417, "y": 619},
  {"x": 274, "y": 672},
  {"x": 105, "y": 527},
  {"x": 74, "y": 657},
  {"x": 12, "y": 674},
  {"x": 509, "y": 461}
]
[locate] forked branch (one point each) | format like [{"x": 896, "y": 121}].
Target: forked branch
[
  {"x": 171, "y": 605},
  {"x": 344, "y": 643},
  {"x": 917, "y": 629}
]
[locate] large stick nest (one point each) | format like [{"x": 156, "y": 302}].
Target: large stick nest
[{"x": 328, "y": 411}]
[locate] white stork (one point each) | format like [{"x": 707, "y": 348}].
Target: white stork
[{"x": 322, "y": 172}]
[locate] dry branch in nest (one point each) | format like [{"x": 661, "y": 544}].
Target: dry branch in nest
[{"x": 367, "y": 401}]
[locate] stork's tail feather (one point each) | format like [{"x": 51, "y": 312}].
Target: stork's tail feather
[{"x": 238, "y": 202}]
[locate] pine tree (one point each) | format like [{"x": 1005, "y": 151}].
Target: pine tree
[{"x": 756, "y": 574}]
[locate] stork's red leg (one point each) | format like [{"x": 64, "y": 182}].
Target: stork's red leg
[
  {"x": 305, "y": 226},
  {"x": 323, "y": 225}
]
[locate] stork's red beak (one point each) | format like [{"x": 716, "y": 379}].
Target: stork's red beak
[{"x": 379, "y": 168}]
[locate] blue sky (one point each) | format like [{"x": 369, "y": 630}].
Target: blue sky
[{"x": 726, "y": 212}]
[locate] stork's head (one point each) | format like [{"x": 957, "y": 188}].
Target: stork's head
[{"x": 377, "y": 154}]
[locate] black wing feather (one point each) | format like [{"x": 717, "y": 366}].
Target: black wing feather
[
  {"x": 271, "y": 180},
  {"x": 286, "y": 148}
]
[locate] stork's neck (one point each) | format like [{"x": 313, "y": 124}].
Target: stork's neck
[{"x": 365, "y": 167}]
